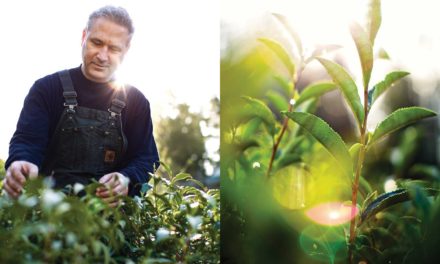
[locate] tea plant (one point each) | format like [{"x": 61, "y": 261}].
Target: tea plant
[
  {"x": 364, "y": 40},
  {"x": 167, "y": 224},
  {"x": 256, "y": 142},
  {"x": 255, "y": 115}
]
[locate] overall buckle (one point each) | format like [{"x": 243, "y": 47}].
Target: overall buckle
[
  {"x": 112, "y": 114},
  {"x": 71, "y": 107}
]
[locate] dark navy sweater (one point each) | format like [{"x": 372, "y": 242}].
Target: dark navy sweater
[{"x": 42, "y": 110}]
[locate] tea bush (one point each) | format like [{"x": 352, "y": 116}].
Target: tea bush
[{"x": 168, "y": 223}]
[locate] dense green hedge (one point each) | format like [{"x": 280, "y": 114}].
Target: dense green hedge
[{"x": 168, "y": 224}]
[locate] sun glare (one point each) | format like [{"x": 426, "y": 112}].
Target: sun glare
[
  {"x": 334, "y": 215},
  {"x": 330, "y": 214}
]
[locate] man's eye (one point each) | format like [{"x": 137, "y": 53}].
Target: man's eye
[
  {"x": 115, "y": 49},
  {"x": 96, "y": 42}
]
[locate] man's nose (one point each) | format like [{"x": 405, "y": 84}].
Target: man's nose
[{"x": 103, "y": 54}]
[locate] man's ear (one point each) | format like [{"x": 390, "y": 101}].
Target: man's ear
[{"x": 84, "y": 35}]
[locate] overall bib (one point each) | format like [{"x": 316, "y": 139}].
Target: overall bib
[{"x": 87, "y": 143}]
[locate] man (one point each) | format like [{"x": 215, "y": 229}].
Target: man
[{"x": 80, "y": 124}]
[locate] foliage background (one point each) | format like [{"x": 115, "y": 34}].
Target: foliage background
[{"x": 189, "y": 142}]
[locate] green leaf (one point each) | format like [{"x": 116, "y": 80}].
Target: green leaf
[
  {"x": 389, "y": 199},
  {"x": 420, "y": 199},
  {"x": 292, "y": 32},
  {"x": 292, "y": 151},
  {"x": 325, "y": 135},
  {"x": 375, "y": 19},
  {"x": 241, "y": 146},
  {"x": 250, "y": 128},
  {"x": 167, "y": 169},
  {"x": 365, "y": 51},
  {"x": 354, "y": 153},
  {"x": 309, "y": 106},
  {"x": 315, "y": 90},
  {"x": 285, "y": 84},
  {"x": 354, "y": 150},
  {"x": 390, "y": 79},
  {"x": 369, "y": 199},
  {"x": 383, "y": 54},
  {"x": 425, "y": 170},
  {"x": 399, "y": 119},
  {"x": 181, "y": 177},
  {"x": 384, "y": 201},
  {"x": 166, "y": 205},
  {"x": 279, "y": 101},
  {"x": 198, "y": 183},
  {"x": 281, "y": 53},
  {"x": 288, "y": 159},
  {"x": 257, "y": 108},
  {"x": 347, "y": 86}
]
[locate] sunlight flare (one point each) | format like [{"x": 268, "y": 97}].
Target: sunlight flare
[{"x": 331, "y": 213}]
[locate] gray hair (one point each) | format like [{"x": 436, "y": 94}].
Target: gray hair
[{"x": 117, "y": 15}]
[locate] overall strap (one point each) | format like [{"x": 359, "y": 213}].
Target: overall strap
[
  {"x": 118, "y": 103},
  {"x": 69, "y": 93}
]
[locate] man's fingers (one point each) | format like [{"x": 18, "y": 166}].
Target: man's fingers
[
  {"x": 123, "y": 190},
  {"x": 32, "y": 170},
  {"x": 10, "y": 182},
  {"x": 11, "y": 192},
  {"x": 123, "y": 180},
  {"x": 116, "y": 185},
  {"x": 113, "y": 200},
  {"x": 105, "y": 178},
  {"x": 15, "y": 173},
  {"x": 108, "y": 178},
  {"x": 14, "y": 182},
  {"x": 104, "y": 194},
  {"x": 110, "y": 181},
  {"x": 117, "y": 190},
  {"x": 108, "y": 184},
  {"x": 20, "y": 170}
]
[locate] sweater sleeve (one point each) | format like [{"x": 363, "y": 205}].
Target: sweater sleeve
[
  {"x": 141, "y": 157},
  {"x": 30, "y": 139}
]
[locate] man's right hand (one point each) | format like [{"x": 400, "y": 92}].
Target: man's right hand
[{"x": 16, "y": 176}]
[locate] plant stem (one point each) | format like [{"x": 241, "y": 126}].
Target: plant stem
[
  {"x": 355, "y": 186},
  {"x": 277, "y": 143},
  {"x": 285, "y": 123}
]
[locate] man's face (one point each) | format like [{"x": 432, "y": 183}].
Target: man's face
[{"x": 103, "y": 48}]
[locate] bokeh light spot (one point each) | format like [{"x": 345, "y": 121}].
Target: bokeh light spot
[
  {"x": 390, "y": 185},
  {"x": 331, "y": 214}
]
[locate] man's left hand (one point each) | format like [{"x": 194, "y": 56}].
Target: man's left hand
[{"x": 115, "y": 186}]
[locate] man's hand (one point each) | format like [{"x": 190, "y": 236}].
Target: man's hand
[
  {"x": 116, "y": 185},
  {"x": 16, "y": 176}
]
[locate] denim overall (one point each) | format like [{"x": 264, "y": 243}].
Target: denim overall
[{"x": 87, "y": 143}]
